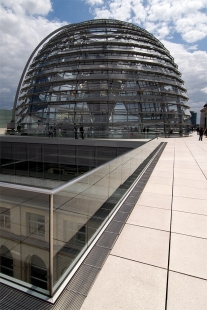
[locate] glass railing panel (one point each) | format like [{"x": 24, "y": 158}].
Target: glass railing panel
[
  {"x": 134, "y": 162},
  {"x": 24, "y": 242},
  {"x": 126, "y": 167},
  {"x": 77, "y": 215},
  {"x": 115, "y": 168},
  {"x": 70, "y": 223},
  {"x": 125, "y": 173},
  {"x": 115, "y": 179},
  {"x": 82, "y": 208}
]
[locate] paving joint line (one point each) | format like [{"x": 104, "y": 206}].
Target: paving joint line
[
  {"x": 196, "y": 160},
  {"x": 169, "y": 248},
  {"x": 189, "y": 275},
  {"x": 137, "y": 261},
  {"x": 189, "y": 212},
  {"x": 177, "y": 233},
  {"x": 147, "y": 227}
]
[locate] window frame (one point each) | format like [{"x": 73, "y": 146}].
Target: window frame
[
  {"x": 37, "y": 225},
  {"x": 4, "y": 216}
]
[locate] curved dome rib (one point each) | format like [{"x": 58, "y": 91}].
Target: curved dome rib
[{"x": 27, "y": 64}]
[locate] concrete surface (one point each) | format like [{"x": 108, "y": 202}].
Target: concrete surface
[{"x": 159, "y": 260}]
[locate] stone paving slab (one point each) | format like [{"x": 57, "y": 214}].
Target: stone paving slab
[
  {"x": 189, "y": 205},
  {"x": 188, "y": 255},
  {"x": 143, "y": 244},
  {"x": 124, "y": 284},
  {"x": 155, "y": 200},
  {"x": 186, "y": 293},
  {"x": 150, "y": 217},
  {"x": 190, "y": 224}
]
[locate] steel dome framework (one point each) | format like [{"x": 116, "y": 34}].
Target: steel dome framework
[{"x": 103, "y": 74}]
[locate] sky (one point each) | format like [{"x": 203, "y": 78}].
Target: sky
[{"x": 181, "y": 25}]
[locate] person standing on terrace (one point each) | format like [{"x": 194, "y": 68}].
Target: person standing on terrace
[
  {"x": 201, "y": 134},
  {"x": 75, "y": 129},
  {"x": 82, "y": 131}
]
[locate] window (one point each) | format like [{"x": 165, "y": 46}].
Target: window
[
  {"x": 38, "y": 272},
  {"x": 5, "y": 220},
  {"x": 75, "y": 233},
  {"x": 81, "y": 236},
  {"x": 6, "y": 261},
  {"x": 36, "y": 224}
]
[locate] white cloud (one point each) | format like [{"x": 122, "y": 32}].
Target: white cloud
[
  {"x": 188, "y": 18},
  {"x": 192, "y": 27},
  {"x": 5, "y": 90},
  {"x": 193, "y": 66},
  {"x": 28, "y": 6},
  {"x": 192, "y": 47},
  {"x": 20, "y": 33},
  {"x": 204, "y": 90},
  {"x": 116, "y": 9},
  {"x": 93, "y": 2}
]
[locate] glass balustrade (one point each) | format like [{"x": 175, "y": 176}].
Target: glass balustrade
[{"x": 46, "y": 228}]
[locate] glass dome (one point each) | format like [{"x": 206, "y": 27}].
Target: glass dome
[{"x": 103, "y": 74}]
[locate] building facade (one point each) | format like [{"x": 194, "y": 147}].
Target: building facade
[
  {"x": 203, "y": 120},
  {"x": 104, "y": 75},
  {"x": 193, "y": 117}
]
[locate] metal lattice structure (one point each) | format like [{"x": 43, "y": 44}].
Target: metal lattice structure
[{"x": 103, "y": 74}]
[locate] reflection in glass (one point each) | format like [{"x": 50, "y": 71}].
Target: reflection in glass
[
  {"x": 6, "y": 261},
  {"x": 38, "y": 272},
  {"x": 24, "y": 236},
  {"x": 33, "y": 247}
]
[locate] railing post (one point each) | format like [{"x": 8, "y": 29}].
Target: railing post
[{"x": 51, "y": 244}]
